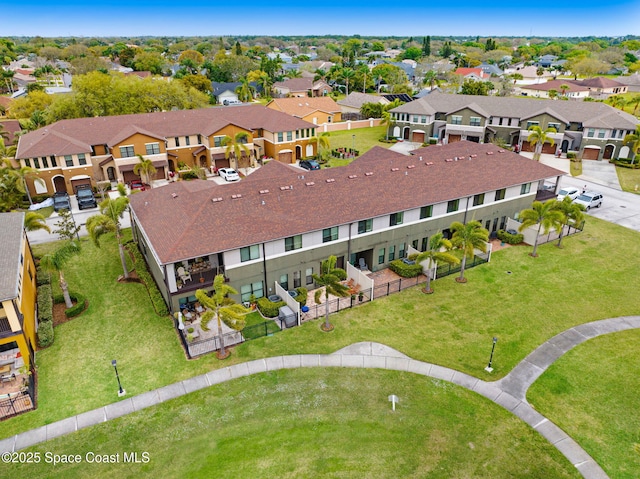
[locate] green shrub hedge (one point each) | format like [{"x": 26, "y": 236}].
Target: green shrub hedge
[
  {"x": 45, "y": 303},
  {"x": 405, "y": 270},
  {"x": 510, "y": 238},
  {"x": 157, "y": 300},
  {"x": 271, "y": 310},
  {"x": 45, "y": 334},
  {"x": 76, "y": 309},
  {"x": 42, "y": 277}
]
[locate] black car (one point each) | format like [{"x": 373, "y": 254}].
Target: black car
[
  {"x": 310, "y": 165},
  {"x": 85, "y": 197},
  {"x": 61, "y": 201}
]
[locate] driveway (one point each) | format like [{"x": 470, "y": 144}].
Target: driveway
[{"x": 405, "y": 147}]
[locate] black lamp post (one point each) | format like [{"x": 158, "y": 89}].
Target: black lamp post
[
  {"x": 493, "y": 348},
  {"x": 121, "y": 392}
]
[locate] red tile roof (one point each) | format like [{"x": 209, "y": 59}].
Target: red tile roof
[{"x": 189, "y": 219}]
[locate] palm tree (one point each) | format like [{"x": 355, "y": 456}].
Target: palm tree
[
  {"x": 330, "y": 278},
  {"x": 538, "y": 138},
  {"x": 145, "y": 169},
  {"x": 545, "y": 216},
  {"x": 294, "y": 74},
  {"x": 245, "y": 91},
  {"x": 618, "y": 101},
  {"x": 572, "y": 213},
  {"x": 236, "y": 145},
  {"x": 108, "y": 221},
  {"x": 468, "y": 237},
  {"x": 23, "y": 173},
  {"x": 347, "y": 74},
  {"x": 225, "y": 310},
  {"x": 633, "y": 139},
  {"x": 35, "y": 221},
  {"x": 438, "y": 250},
  {"x": 563, "y": 88},
  {"x": 54, "y": 262},
  {"x": 323, "y": 142},
  {"x": 431, "y": 77},
  {"x": 634, "y": 100}
]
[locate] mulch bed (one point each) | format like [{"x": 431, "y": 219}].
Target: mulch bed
[{"x": 58, "y": 314}]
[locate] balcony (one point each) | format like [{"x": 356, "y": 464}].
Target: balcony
[{"x": 197, "y": 276}]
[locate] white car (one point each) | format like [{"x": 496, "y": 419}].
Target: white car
[
  {"x": 570, "y": 191},
  {"x": 229, "y": 174},
  {"x": 590, "y": 199}
]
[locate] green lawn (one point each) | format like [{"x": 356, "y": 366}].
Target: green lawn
[
  {"x": 311, "y": 423},
  {"x": 365, "y": 139},
  {"x": 587, "y": 280},
  {"x": 592, "y": 393},
  {"x": 629, "y": 179}
]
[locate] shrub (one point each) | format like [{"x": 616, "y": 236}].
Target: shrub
[
  {"x": 39, "y": 198},
  {"x": 76, "y": 309},
  {"x": 510, "y": 238},
  {"x": 405, "y": 270},
  {"x": 572, "y": 155},
  {"x": 42, "y": 277},
  {"x": 45, "y": 334},
  {"x": 302, "y": 295},
  {"x": 189, "y": 175},
  {"x": 157, "y": 300},
  {"x": 45, "y": 303},
  {"x": 268, "y": 308},
  {"x": 433, "y": 141}
]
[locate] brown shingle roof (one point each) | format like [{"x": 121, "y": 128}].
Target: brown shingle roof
[
  {"x": 204, "y": 217},
  {"x": 101, "y": 130},
  {"x": 302, "y": 107}
]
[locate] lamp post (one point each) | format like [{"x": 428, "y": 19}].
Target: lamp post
[
  {"x": 353, "y": 146},
  {"x": 489, "y": 368},
  {"x": 121, "y": 392}
]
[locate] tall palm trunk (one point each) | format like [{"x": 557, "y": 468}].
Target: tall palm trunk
[
  {"x": 65, "y": 290},
  {"x": 535, "y": 243},
  {"x": 222, "y": 353},
  {"x": 462, "y": 265},
  {"x": 327, "y": 325},
  {"x": 123, "y": 260}
]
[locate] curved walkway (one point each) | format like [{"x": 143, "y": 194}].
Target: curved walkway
[{"x": 509, "y": 392}]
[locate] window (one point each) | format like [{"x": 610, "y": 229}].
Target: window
[
  {"x": 125, "y": 152},
  {"x": 556, "y": 126},
  {"x": 289, "y": 136},
  {"x": 532, "y": 123},
  {"x": 68, "y": 160},
  {"x": 423, "y": 119},
  {"x": 177, "y": 140},
  {"x": 414, "y": 244},
  {"x": 199, "y": 139},
  {"x": 425, "y": 243},
  {"x": 396, "y": 218},
  {"x": 415, "y": 118},
  {"x": 280, "y": 137},
  {"x": 248, "y": 289},
  {"x": 381, "y": 255},
  {"x": 249, "y": 252},
  {"x": 401, "y": 250},
  {"x": 500, "y": 194},
  {"x": 525, "y": 188},
  {"x": 309, "y": 276},
  {"x": 426, "y": 212},
  {"x": 82, "y": 160},
  {"x": 392, "y": 253},
  {"x": 293, "y": 242},
  {"x": 296, "y": 279},
  {"x": 217, "y": 141},
  {"x": 453, "y": 206},
  {"x": 329, "y": 234},
  {"x": 45, "y": 163},
  {"x": 365, "y": 226},
  {"x": 153, "y": 148},
  {"x": 36, "y": 163},
  {"x": 601, "y": 133},
  {"x": 297, "y": 134},
  {"x": 591, "y": 132},
  {"x": 54, "y": 163},
  {"x": 478, "y": 199},
  {"x": 187, "y": 140},
  {"x": 456, "y": 120},
  {"x": 284, "y": 281},
  {"x": 474, "y": 121},
  {"x": 27, "y": 162}
]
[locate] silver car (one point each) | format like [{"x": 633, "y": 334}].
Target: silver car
[{"x": 590, "y": 199}]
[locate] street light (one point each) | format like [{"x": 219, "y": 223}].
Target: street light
[
  {"x": 489, "y": 368},
  {"x": 353, "y": 146},
  {"x": 121, "y": 392}
]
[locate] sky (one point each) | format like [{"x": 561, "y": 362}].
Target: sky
[{"x": 285, "y": 17}]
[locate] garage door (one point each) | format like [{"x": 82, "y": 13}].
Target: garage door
[
  {"x": 286, "y": 157},
  {"x": 454, "y": 138},
  {"x": 223, "y": 163},
  {"x": 129, "y": 176},
  {"x": 526, "y": 146},
  {"x": 549, "y": 149},
  {"x": 418, "y": 137},
  {"x": 76, "y": 183},
  {"x": 590, "y": 154}
]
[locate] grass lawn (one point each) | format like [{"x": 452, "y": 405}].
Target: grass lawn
[
  {"x": 587, "y": 280},
  {"x": 330, "y": 422},
  {"x": 365, "y": 139},
  {"x": 592, "y": 393},
  {"x": 629, "y": 179}
]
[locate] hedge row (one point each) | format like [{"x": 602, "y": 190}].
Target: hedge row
[
  {"x": 76, "y": 309},
  {"x": 45, "y": 334},
  {"x": 405, "y": 270},
  {"x": 270, "y": 309},
  {"x": 45, "y": 303},
  {"x": 157, "y": 300},
  {"x": 42, "y": 277},
  {"x": 510, "y": 238}
]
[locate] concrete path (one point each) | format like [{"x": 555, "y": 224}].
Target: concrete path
[{"x": 509, "y": 392}]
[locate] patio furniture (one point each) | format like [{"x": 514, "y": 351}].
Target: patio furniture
[
  {"x": 184, "y": 275},
  {"x": 362, "y": 264},
  {"x": 8, "y": 378}
]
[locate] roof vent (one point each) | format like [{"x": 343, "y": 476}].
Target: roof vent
[
  {"x": 174, "y": 195},
  {"x": 330, "y": 180},
  {"x": 351, "y": 177},
  {"x": 410, "y": 166},
  {"x": 500, "y": 151},
  {"x": 369, "y": 173},
  {"x": 310, "y": 183},
  {"x": 215, "y": 200},
  {"x": 420, "y": 158},
  {"x": 283, "y": 188},
  {"x": 264, "y": 192},
  {"x": 235, "y": 197},
  {"x": 489, "y": 152},
  {"x": 429, "y": 163},
  {"x": 448, "y": 159},
  {"x": 474, "y": 156},
  {"x": 395, "y": 169},
  {"x": 263, "y": 203}
]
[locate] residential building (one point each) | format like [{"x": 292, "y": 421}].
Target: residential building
[
  {"x": 69, "y": 153},
  {"x": 593, "y": 129},
  {"x": 317, "y": 110},
  {"x": 277, "y": 225},
  {"x": 477, "y": 74},
  {"x": 17, "y": 295},
  {"x": 561, "y": 88},
  {"x": 301, "y": 87},
  {"x": 355, "y": 100}
]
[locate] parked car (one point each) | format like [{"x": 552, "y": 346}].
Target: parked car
[
  {"x": 85, "y": 197},
  {"x": 229, "y": 174},
  {"x": 309, "y": 165},
  {"x": 590, "y": 199},
  {"x": 232, "y": 102},
  {"x": 138, "y": 185},
  {"x": 61, "y": 201},
  {"x": 571, "y": 192}
]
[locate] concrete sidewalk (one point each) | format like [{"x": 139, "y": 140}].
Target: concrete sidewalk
[{"x": 509, "y": 392}]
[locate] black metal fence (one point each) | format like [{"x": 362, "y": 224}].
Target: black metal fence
[{"x": 21, "y": 401}]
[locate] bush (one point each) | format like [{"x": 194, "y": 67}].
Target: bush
[
  {"x": 302, "y": 295},
  {"x": 76, "y": 309},
  {"x": 39, "y": 198},
  {"x": 268, "y": 308},
  {"x": 405, "y": 270},
  {"x": 45, "y": 334},
  {"x": 189, "y": 175},
  {"x": 45, "y": 303},
  {"x": 510, "y": 238},
  {"x": 42, "y": 277},
  {"x": 157, "y": 300}
]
